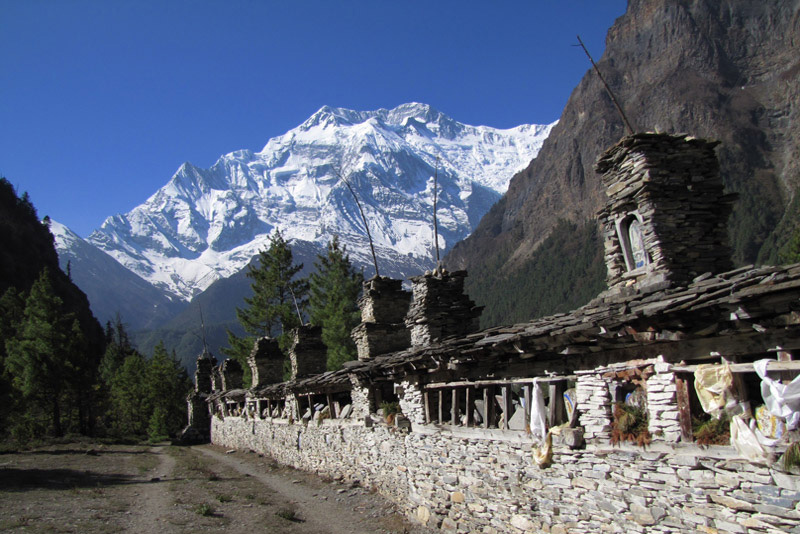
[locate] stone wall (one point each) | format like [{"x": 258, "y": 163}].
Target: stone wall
[{"x": 474, "y": 480}]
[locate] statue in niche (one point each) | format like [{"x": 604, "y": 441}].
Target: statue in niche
[{"x": 636, "y": 240}]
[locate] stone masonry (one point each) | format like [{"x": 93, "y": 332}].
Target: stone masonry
[
  {"x": 440, "y": 308},
  {"x": 672, "y": 183},
  {"x": 383, "y": 305},
  {"x": 231, "y": 375},
  {"x": 308, "y": 355},
  {"x": 266, "y": 362}
]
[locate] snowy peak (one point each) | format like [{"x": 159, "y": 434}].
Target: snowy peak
[{"x": 205, "y": 224}]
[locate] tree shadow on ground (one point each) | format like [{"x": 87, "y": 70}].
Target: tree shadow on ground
[{"x": 14, "y": 479}]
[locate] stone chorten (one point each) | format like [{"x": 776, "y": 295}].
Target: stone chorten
[
  {"x": 665, "y": 221},
  {"x": 383, "y": 305},
  {"x": 440, "y": 309},
  {"x": 266, "y": 362},
  {"x": 198, "y": 429},
  {"x": 232, "y": 374},
  {"x": 308, "y": 354}
]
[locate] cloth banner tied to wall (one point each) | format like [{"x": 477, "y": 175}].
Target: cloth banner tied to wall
[
  {"x": 542, "y": 453},
  {"x": 782, "y": 400},
  {"x": 538, "y": 413},
  {"x": 747, "y": 443},
  {"x": 714, "y": 386}
]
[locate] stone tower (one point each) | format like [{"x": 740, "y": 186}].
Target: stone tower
[
  {"x": 308, "y": 354},
  {"x": 265, "y": 362},
  {"x": 440, "y": 308},
  {"x": 383, "y": 305},
  {"x": 665, "y": 221}
]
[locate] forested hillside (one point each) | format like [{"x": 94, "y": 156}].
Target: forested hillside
[
  {"x": 720, "y": 70},
  {"x": 60, "y": 372}
]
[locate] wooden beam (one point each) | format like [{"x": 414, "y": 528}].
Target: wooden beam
[
  {"x": 745, "y": 367},
  {"x": 499, "y": 382},
  {"x": 684, "y": 409}
]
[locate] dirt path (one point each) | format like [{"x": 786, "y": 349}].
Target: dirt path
[
  {"x": 322, "y": 506},
  {"x": 153, "y": 500},
  {"x": 102, "y": 489}
]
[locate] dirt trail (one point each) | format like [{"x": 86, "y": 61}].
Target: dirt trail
[
  {"x": 103, "y": 489},
  {"x": 153, "y": 502},
  {"x": 322, "y": 506}
]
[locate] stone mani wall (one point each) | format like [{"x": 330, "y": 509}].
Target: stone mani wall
[{"x": 464, "y": 481}]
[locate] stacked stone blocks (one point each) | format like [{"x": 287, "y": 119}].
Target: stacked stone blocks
[
  {"x": 440, "y": 309},
  {"x": 383, "y": 305},
  {"x": 673, "y": 183}
]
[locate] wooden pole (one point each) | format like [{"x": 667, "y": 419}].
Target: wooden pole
[{"x": 608, "y": 89}]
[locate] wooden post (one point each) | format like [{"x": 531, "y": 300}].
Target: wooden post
[
  {"x": 426, "y": 399},
  {"x": 785, "y": 376},
  {"x": 507, "y": 405},
  {"x": 331, "y": 406},
  {"x": 470, "y": 406},
  {"x": 454, "y": 407},
  {"x": 739, "y": 390},
  {"x": 528, "y": 392},
  {"x": 556, "y": 411},
  {"x": 684, "y": 409},
  {"x": 486, "y": 407},
  {"x": 441, "y": 407}
]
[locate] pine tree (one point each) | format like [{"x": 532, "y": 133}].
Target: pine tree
[
  {"x": 277, "y": 297},
  {"x": 12, "y": 309},
  {"x": 334, "y": 290},
  {"x": 167, "y": 385},
  {"x": 41, "y": 357},
  {"x": 118, "y": 347},
  {"x": 130, "y": 402}
]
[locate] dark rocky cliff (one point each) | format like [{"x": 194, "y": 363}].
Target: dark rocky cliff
[{"x": 723, "y": 70}]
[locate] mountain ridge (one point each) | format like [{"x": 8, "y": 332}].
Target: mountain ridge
[
  {"x": 726, "y": 71},
  {"x": 206, "y": 224}
]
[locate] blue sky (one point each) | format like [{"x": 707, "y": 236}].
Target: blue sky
[{"x": 101, "y": 101}]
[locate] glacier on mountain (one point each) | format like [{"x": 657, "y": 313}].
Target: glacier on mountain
[{"x": 206, "y": 224}]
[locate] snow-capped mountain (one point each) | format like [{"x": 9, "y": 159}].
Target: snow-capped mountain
[
  {"x": 206, "y": 224},
  {"x": 111, "y": 288}
]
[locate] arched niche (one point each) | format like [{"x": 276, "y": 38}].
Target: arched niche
[{"x": 631, "y": 237}]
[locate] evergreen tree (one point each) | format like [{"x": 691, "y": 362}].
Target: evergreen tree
[
  {"x": 12, "y": 309},
  {"x": 118, "y": 347},
  {"x": 41, "y": 358},
  {"x": 277, "y": 297},
  {"x": 167, "y": 386},
  {"x": 130, "y": 402},
  {"x": 334, "y": 291}
]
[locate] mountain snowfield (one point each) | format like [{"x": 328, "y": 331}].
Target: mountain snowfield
[{"x": 207, "y": 224}]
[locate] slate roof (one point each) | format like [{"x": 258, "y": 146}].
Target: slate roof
[{"x": 757, "y": 300}]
